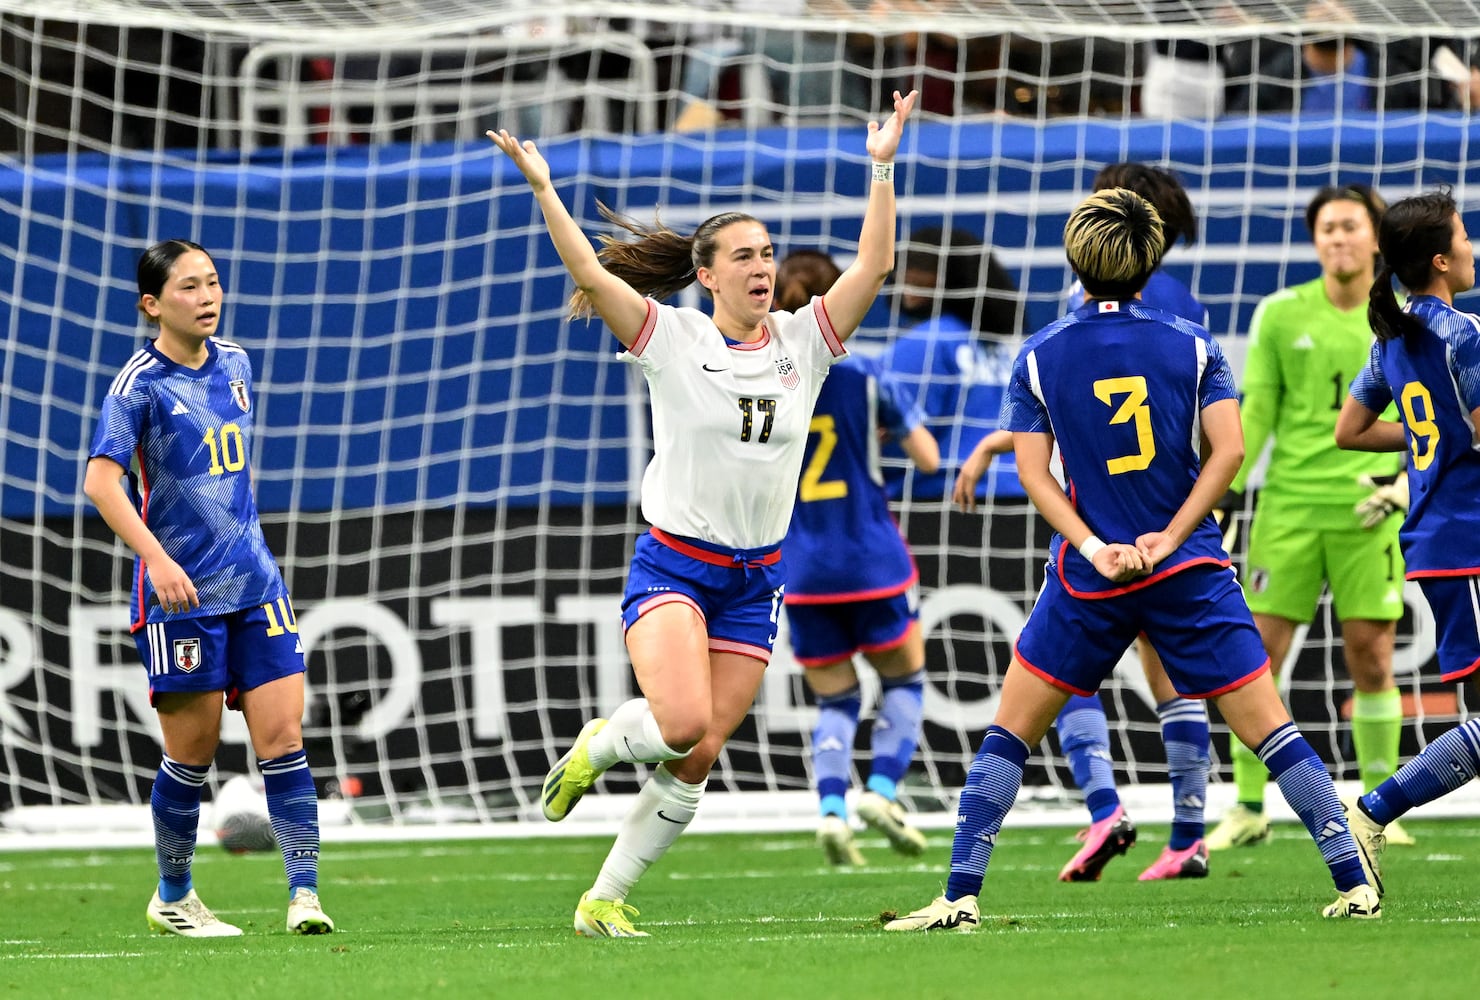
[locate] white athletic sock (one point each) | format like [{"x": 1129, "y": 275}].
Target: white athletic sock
[
  {"x": 662, "y": 811},
  {"x": 632, "y": 735}
]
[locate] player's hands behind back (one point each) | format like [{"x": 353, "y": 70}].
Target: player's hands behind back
[{"x": 1119, "y": 562}]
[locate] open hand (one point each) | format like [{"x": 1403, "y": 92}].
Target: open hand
[
  {"x": 883, "y": 140},
  {"x": 525, "y": 156}
]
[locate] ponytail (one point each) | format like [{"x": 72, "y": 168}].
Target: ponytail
[
  {"x": 1413, "y": 231},
  {"x": 659, "y": 263},
  {"x": 1384, "y": 315}
]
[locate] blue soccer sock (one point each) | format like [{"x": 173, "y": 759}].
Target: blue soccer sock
[
  {"x": 992, "y": 785},
  {"x": 1444, "y": 765},
  {"x": 1184, "y": 731},
  {"x": 175, "y": 806},
  {"x": 896, "y": 731},
  {"x": 293, "y": 807},
  {"x": 832, "y": 748},
  {"x": 1307, "y": 788},
  {"x": 1084, "y": 735}
]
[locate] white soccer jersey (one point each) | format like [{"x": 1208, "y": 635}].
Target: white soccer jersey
[{"x": 730, "y": 421}]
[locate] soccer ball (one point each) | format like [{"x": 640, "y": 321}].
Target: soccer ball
[{"x": 239, "y": 815}]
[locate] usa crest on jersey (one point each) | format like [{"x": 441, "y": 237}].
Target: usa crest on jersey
[
  {"x": 790, "y": 377},
  {"x": 187, "y": 654},
  {"x": 239, "y": 393}
]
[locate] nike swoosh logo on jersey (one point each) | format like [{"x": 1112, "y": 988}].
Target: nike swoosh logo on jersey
[{"x": 708, "y": 369}]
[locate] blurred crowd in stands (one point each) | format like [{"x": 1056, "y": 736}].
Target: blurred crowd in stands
[{"x": 718, "y": 74}]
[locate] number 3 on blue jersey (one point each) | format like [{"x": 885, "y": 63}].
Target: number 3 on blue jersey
[{"x": 1135, "y": 407}]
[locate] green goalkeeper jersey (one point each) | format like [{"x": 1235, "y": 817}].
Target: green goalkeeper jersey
[{"x": 1303, "y": 354}]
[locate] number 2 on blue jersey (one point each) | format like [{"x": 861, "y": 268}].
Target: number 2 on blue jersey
[{"x": 813, "y": 487}]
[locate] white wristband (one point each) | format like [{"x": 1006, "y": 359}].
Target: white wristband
[
  {"x": 883, "y": 171},
  {"x": 1091, "y": 545}
]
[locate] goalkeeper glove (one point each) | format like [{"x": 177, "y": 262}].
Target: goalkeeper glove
[{"x": 1389, "y": 495}]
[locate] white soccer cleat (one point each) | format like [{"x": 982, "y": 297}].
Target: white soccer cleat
[
  {"x": 187, "y": 917},
  {"x": 889, "y": 819},
  {"x": 941, "y": 915},
  {"x": 1371, "y": 842},
  {"x": 306, "y": 916},
  {"x": 1360, "y": 903},
  {"x": 835, "y": 837}
]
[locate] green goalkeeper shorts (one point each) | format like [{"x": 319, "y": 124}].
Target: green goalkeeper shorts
[{"x": 1287, "y": 566}]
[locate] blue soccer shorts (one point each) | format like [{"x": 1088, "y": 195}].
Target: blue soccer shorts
[
  {"x": 737, "y": 593},
  {"x": 826, "y": 633},
  {"x": 1455, "y": 602},
  {"x": 229, "y": 653},
  {"x": 1196, "y": 619}
]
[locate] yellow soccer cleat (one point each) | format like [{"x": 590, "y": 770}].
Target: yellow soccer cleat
[
  {"x": 1397, "y": 836},
  {"x": 1359, "y": 903},
  {"x": 572, "y": 776},
  {"x": 1371, "y": 842},
  {"x": 940, "y": 915},
  {"x": 605, "y": 918},
  {"x": 1240, "y": 827},
  {"x": 889, "y": 819},
  {"x": 835, "y": 837}
]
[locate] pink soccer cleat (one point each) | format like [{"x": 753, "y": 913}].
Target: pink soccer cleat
[
  {"x": 1189, "y": 862},
  {"x": 1111, "y": 836}
]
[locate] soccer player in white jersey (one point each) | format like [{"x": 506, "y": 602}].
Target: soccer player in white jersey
[
  {"x": 732, "y": 399},
  {"x": 1427, "y": 360},
  {"x": 170, "y": 471},
  {"x": 1142, "y": 405}
]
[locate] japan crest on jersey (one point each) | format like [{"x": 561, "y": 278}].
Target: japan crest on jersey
[
  {"x": 187, "y": 654},
  {"x": 239, "y": 393},
  {"x": 790, "y": 378}
]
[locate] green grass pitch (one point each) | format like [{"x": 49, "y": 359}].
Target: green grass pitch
[{"x": 751, "y": 917}]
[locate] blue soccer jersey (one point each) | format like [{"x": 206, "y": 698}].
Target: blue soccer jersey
[
  {"x": 188, "y": 435},
  {"x": 1162, "y": 291},
  {"x": 1121, "y": 386},
  {"x": 957, "y": 382},
  {"x": 1435, "y": 379},
  {"x": 844, "y": 544}
]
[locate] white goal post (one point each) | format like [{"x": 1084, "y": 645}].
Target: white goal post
[{"x": 447, "y": 467}]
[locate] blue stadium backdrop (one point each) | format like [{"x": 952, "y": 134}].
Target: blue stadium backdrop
[{"x": 424, "y": 443}]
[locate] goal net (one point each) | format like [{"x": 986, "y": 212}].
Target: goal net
[{"x": 447, "y": 468}]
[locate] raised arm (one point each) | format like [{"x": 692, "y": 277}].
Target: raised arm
[
  {"x": 851, "y": 295},
  {"x": 616, "y": 302}
]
